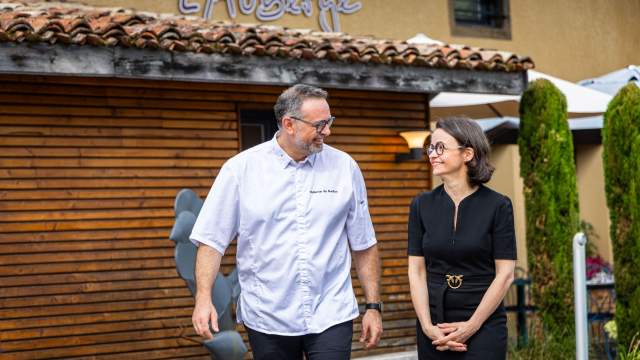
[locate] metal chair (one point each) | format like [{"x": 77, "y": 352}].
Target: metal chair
[
  {"x": 601, "y": 308},
  {"x": 518, "y": 300}
]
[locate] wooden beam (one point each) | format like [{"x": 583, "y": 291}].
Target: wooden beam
[{"x": 44, "y": 59}]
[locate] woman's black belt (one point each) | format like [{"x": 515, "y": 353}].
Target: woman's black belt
[{"x": 443, "y": 282}]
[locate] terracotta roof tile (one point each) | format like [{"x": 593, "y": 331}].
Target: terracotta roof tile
[{"x": 73, "y": 23}]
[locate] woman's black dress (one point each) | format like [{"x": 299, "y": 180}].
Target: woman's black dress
[{"x": 460, "y": 264}]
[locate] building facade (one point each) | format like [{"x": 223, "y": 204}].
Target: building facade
[
  {"x": 572, "y": 40},
  {"x": 107, "y": 113}
]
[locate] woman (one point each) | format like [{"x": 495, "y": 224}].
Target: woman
[{"x": 461, "y": 249}]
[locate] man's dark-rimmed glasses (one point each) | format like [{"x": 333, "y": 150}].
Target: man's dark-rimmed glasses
[{"x": 319, "y": 125}]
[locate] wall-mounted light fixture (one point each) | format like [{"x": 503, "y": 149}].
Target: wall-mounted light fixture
[{"x": 415, "y": 140}]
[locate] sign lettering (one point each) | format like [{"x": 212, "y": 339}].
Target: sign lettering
[{"x": 270, "y": 10}]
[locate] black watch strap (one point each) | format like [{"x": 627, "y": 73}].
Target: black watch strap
[{"x": 374, "y": 306}]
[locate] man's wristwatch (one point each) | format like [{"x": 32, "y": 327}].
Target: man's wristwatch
[{"x": 374, "y": 306}]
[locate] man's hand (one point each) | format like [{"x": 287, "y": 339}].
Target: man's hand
[
  {"x": 371, "y": 328},
  {"x": 207, "y": 265},
  {"x": 368, "y": 268},
  {"x": 203, "y": 313}
]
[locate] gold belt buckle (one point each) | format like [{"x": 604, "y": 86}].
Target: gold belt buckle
[{"x": 454, "y": 281}]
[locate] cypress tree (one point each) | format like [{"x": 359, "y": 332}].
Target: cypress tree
[
  {"x": 551, "y": 203},
  {"x": 621, "y": 142}
]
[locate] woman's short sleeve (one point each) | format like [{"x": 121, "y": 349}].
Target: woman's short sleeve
[
  {"x": 415, "y": 229},
  {"x": 504, "y": 237}
]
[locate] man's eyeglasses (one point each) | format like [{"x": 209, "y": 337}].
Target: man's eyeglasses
[
  {"x": 439, "y": 148},
  {"x": 319, "y": 125}
]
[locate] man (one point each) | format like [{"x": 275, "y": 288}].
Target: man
[{"x": 296, "y": 206}]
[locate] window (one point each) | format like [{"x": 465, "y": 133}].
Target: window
[
  {"x": 256, "y": 127},
  {"x": 480, "y": 18},
  {"x": 479, "y": 12}
]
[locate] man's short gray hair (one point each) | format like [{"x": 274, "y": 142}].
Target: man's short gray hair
[{"x": 290, "y": 101}]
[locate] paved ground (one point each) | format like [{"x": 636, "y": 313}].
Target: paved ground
[{"x": 406, "y": 355}]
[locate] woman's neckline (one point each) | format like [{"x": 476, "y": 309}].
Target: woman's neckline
[{"x": 467, "y": 196}]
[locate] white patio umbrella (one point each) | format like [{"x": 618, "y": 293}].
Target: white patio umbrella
[
  {"x": 580, "y": 100},
  {"x": 504, "y": 130},
  {"x": 510, "y": 122},
  {"x": 613, "y": 81}
]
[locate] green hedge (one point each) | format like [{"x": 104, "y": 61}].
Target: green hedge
[
  {"x": 621, "y": 142},
  {"x": 551, "y": 203}
]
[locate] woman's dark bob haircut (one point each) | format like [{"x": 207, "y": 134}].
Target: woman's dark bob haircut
[{"x": 469, "y": 134}]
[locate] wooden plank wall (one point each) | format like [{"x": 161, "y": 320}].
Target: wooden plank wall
[{"x": 88, "y": 172}]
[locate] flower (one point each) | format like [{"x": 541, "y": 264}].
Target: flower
[
  {"x": 596, "y": 265},
  {"x": 611, "y": 328}
]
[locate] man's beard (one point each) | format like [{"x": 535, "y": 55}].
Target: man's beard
[{"x": 307, "y": 148}]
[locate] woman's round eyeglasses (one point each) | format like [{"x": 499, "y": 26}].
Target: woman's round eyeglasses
[{"x": 439, "y": 148}]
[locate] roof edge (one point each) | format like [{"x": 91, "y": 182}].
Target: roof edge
[{"x": 94, "y": 61}]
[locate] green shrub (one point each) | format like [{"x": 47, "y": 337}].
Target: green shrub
[
  {"x": 551, "y": 204},
  {"x": 542, "y": 347},
  {"x": 633, "y": 352},
  {"x": 621, "y": 142}
]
